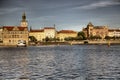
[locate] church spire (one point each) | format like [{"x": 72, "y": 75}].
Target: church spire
[
  {"x": 24, "y": 22},
  {"x": 24, "y": 17}
]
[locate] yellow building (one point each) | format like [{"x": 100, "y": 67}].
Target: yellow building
[
  {"x": 1, "y": 29},
  {"x": 41, "y": 34},
  {"x": 114, "y": 32},
  {"x": 92, "y": 30},
  {"x": 65, "y": 34},
  {"x": 12, "y": 34},
  {"x": 38, "y": 34}
]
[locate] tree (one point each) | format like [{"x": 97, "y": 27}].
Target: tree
[
  {"x": 108, "y": 37},
  {"x": 69, "y": 38},
  {"x": 32, "y": 39},
  {"x": 47, "y": 39},
  {"x": 81, "y": 35}
]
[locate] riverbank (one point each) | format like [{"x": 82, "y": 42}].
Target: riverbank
[
  {"x": 90, "y": 42},
  {"x": 96, "y": 42}
]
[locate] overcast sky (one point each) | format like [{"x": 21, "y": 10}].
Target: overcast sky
[{"x": 65, "y": 14}]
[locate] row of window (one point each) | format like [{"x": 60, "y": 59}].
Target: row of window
[
  {"x": 15, "y": 36},
  {"x": 12, "y": 41},
  {"x": 17, "y": 32}
]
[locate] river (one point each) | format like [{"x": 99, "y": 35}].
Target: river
[{"x": 63, "y": 62}]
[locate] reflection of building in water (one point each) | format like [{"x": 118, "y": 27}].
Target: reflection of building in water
[
  {"x": 100, "y": 65},
  {"x": 22, "y": 61},
  {"x": 14, "y": 62}
]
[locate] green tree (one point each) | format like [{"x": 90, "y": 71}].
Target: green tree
[
  {"x": 32, "y": 39},
  {"x": 81, "y": 35},
  {"x": 47, "y": 39},
  {"x": 69, "y": 39},
  {"x": 108, "y": 37}
]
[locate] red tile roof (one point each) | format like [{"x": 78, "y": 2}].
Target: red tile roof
[
  {"x": 67, "y": 31},
  {"x": 37, "y": 30},
  {"x": 112, "y": 30},
  {"x": 10, "y": 28},
  {"x": 22, "y": 28},
  {"x": 49, "y": 27}
]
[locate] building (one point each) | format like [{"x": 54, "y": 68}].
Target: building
[
  {"x": 38, "y": 34},
  {"x": 1, "y": 29},
  {"x": 13, "y": 34},
  {"x": 92, "y": 30},
  {"x": 65, "y": 34},
  {"x": 41, "y": 34},
  {"x": 24, "y": 22},
  {"x": 114, "y": 32},
  {"x": 50, "y": 32}
]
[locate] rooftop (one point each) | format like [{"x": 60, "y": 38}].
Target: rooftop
[
  {"x": 49, "y": 27},
  {"x": 37, "y": 30},
  {"x": 67, "y": 31},
  {"x": 10, "y": 28}
]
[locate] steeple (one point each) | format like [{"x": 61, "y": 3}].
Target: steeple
[
  {"x": 24, "y": 17},
  {"x": 90, "y": 24},
  {"x": 24, "y": 22}
]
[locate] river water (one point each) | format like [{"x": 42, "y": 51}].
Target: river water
[{"x": 63, "y": 62}]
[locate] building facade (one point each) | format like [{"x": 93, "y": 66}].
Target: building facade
[
  {"x": 12, "y": 34},
  {"x": 1, "y": 35},
  {"x": 65, "y": 34},
  {"x": 38, "y": 34},
  {"x": 92, "y": 30},
  {"x": 50, "y": 32},
  {"x": 41, "y": 34},
  {"x": 114, "y": 32}
]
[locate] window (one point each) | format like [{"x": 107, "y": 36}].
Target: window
[
  {"x": 9, "y": 41},
  {"x": 4, "y": 36}
]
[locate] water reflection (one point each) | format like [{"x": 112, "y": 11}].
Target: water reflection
[
  {"x": 13, "y": 62},
  {"x": 103, "y": 63},
  {"x": 79, "y": 62}
]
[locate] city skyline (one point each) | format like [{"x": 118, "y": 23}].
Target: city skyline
[{"x": 65, "y": 14}]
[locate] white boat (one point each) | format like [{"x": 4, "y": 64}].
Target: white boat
[{"x": 21, "y": 43}]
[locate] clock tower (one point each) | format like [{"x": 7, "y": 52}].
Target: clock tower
[{"x": 24, "y": 22}]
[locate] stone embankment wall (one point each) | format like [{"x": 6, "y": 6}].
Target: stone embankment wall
[{"x": 96, "y": 42}]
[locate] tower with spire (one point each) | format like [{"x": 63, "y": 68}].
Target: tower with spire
[{"x": 24, "y": 22}]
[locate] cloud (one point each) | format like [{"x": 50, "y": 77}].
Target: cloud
[
  {"x": 99, "y": 5},
  {"x": 8, "y": 10}
]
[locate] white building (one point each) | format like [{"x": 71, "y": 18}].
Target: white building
[{"x": 50, "y": 32}]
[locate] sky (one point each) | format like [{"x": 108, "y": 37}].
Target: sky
[{"x": 65, "y": 14}]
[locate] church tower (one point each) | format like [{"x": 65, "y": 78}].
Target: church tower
[{"x": 24, "y": 22}]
